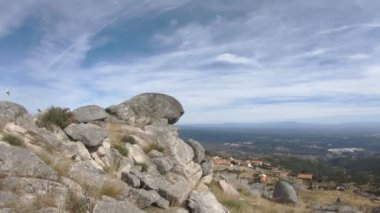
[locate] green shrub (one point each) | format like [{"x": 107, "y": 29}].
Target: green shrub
[
  {"x": 128, "y": 139},
  {"x": 58, "y": 116},
  {"x": 159, "y": 148},
  {"x": 122, "y": 150},
  {"x": 144, "y": 166},
  {"x": 12, "y": 140}
]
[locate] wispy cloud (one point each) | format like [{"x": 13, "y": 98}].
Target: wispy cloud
[{"x": 232, "y": 62}]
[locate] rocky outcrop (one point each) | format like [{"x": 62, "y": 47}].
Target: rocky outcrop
[
  {"x": 10, "y": 112},
  {"x": 147, "y": 108},
  {"x": 199, "y": 151},
  {"x": 89, "y": 134},
  {"x": 20, "y": 162},
  {"x": 124, "y": 162},
  {"x": 110, "y": 205},
  {"x": 204, "y": 202},
  {"x": 227, "y": 188},
  {"x": 284, "y": 193},
  {"x": 89, "y": 113}
]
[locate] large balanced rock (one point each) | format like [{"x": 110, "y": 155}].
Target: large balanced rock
[
  {"x": 147, "y": 108},
  {"x": 284, "y": 193},
  {"x": 9, "y": 112},
  {"x": 204, "y": 202},
  {"x": 89, "y": 134},
  {"x": 89, "y": 113},
  {"x": 199, "y": 151}
]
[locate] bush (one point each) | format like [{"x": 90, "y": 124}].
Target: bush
[
  {"x": 12, "y": 140},
  {"x": 58, "y": 116},
  {"x": 122, "y": 150},
  {"x": 144, "y": 166},
  {"x": 128, "y": 139},
  {"x": 159, "y": 148}
]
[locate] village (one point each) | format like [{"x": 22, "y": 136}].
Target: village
[{"x": 260, "y": 171}]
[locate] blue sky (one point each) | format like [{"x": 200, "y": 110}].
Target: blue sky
[{"x": 225, "y": 60}]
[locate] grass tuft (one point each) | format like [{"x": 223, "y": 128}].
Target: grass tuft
[
  {"x": 57, "y": 116},
  {"x": 144, "y": 166},
  {"x": 12, "y": 140},
  {"x": 122, "y": 150},
  {"x": 128, "y": 139}
]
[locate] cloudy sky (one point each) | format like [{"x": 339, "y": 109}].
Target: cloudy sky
[{"x": 224, "y": 60}]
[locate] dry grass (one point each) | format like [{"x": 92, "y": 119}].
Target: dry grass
[
  {"x": 62, "y": 166},
  {"x": 114, "y": 167},
  {"x": 244, "y": 203},
  {"x": 329, "y": 197},
  {"x": 77, "y": 204},
  {"x": 12, "y": 140},
  {"x": 115, "y": 133},
  {"x": 111, "y": 189}
]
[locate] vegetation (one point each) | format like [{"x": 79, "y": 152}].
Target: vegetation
[
  {"x": 77, "y": 203},
  {"x": 57, "y": 116},
  {"x": 144, "y": 166},
  {"x": 122, "y": 150},
  {"x": 111, "y": 189},
  {"x": 128, "y": 139},
  {"x": 12, "y": 140}
]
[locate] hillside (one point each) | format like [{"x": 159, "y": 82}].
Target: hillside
[{"x": 129, "y": 158}]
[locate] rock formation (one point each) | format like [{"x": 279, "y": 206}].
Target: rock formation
[
  {"x": 123, "y": 159},
  {"x": 284, "y": 193}
]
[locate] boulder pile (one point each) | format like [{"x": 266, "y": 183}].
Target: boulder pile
[{"x": 125, "y": 158}]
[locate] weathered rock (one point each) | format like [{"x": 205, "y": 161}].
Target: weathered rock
[
  {"x": 154, "y": 153},
  {"x": 27, "y": 188},
  {"x": 163, "y": 164},
  {"x": 89, "y": 113},
  {"x": 145, "y": 198},
  {"x": 131, "y": 179},
  {"x": 115, "y": 206},
  {"x": 199, "y": 151},
  {"x": 284, "y": 193},
  {"x": 376, "y": 210},
  {"x": 147, "y": 108},
  {"x": 7, "y": 198},
  {"x": 204, "y": 202},
  {"x": 257, "y": 190},
  {"x": 51, "y": 210},
  {"x": 136, "y": 153},
  {"x": 89, "y": 134},
  {"x": 227, "y": 189},
  {"x": 16, "y": 161},
  {"x": 207, "y": 167},
  {"x": 10, "y": 112},
  {"x": 87, "y": 175}
]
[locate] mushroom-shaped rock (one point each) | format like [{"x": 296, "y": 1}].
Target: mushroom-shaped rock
[
  {"x": 199, "y": 151},
  {"x": 9, "y": 112},
  {"x": 89, "y": 134},
  {"x": 148, "y": 108},
  {"x": 89, "y": 113},
  {"x": 284, "y": 193}
]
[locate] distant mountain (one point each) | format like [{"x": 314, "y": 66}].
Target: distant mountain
[{"x": 289, "y": 125}]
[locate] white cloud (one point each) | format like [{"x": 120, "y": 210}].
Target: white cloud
[
  {"x": 278, "y": 53},
  {"x": 233, "y": 59}
]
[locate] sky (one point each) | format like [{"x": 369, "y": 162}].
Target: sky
[{"x": 226, "y": 61}]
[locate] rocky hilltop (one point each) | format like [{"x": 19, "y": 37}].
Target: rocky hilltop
[{"x": 125, "y": 158}]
